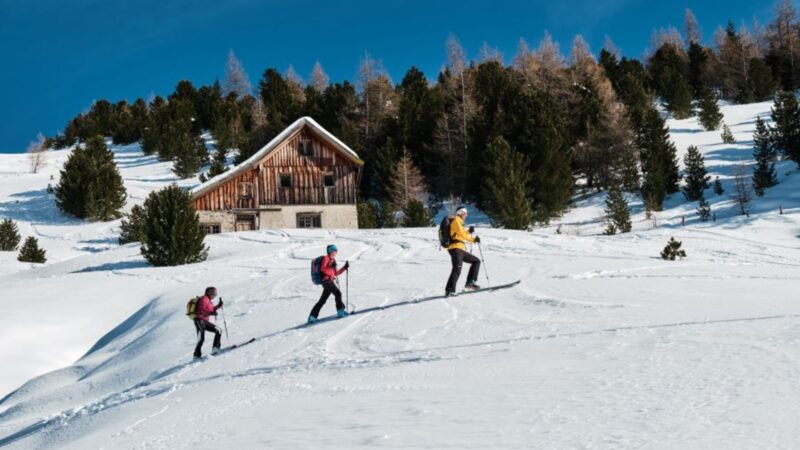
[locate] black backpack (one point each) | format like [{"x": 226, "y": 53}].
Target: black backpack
[{"x": 444, "y": 232}]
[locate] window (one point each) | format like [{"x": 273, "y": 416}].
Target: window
[
  {"x": 211, "y": 228},
  {"x": 306, "y": 149},
  {"x": 330, "y": 181},
  {"x": 285, "y": 180},
  {"x": 309, "y": 220},
  {"x": 246, "y": 189}
]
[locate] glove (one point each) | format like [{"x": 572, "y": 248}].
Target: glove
[
  {"x": 346, "y": 265},
  {"x": 214, "y": 314},
  {"x": 219, "y": 305},
  {"x": 471, "y": 229},
  {"x": 477, "y": 240}
]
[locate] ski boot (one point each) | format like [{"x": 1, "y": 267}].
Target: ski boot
[
  {"x": 341, "y": 313},
  {"x": 312, "y": 319}
]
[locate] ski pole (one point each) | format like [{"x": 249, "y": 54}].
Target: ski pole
[
  {"x": 486, "y": 272},
  {"x": 225, "y": 323},
  {"x": 347, "y": 289}
]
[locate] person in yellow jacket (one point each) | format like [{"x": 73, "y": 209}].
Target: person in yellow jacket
[{"x": 459, "y": 254}]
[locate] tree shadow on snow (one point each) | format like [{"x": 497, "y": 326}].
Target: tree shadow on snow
[{"x": 37, "y": 207}]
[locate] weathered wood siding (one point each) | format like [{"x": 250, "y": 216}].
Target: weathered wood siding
[{"x": 307, "y": 178}]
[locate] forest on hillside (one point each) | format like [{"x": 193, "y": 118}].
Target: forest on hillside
[{"x": 516, "y": 136}]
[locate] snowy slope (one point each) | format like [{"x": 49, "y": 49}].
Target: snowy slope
[{"x": 603, "y": 345}]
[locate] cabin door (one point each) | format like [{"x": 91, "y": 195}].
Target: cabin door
[{"x": 245, "y": 223}]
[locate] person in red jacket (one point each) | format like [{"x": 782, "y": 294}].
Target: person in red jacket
[
  {"x": 329, "y": 275},
  {"x": 205, "y": 309}
]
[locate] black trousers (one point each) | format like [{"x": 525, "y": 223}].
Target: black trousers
[
  {"x": 329, "y": 287},
  {"x": 202, "y": 326},
  {"x": 458, "y": 257}
]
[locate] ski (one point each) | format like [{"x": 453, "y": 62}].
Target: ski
[
  {"x": 226, "y": 349},
  {"x": 410, "y": 302}
]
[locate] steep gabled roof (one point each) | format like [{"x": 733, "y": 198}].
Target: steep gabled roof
[{"x": 252, "y": 161}]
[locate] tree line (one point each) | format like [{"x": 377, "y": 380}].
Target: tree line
[{"x": 516, "y": 138}]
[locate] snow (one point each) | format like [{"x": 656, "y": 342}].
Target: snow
[{"x": 602, "y": 345}]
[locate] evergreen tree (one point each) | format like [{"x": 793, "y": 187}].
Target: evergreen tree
[
  {"x": 91, "y": 186},
  {"x": 718, "y": 187},
  {"x": 507, "y": 186},
  {"x": 617, "y": 213},
  {"x": 727, "y": 135},
  {"x": 9, "y": 236},
  {"x": 708, "y": 110},
  {"x": 703, "y": 210},
  {"x": 696, "y": 175},
  {"x": 367, "y": 215},
  {"x": 183, "y": 144},
  {"x": 698, "y": 61},
  {"x": 673, "y": 250},
  {"x": 416, "y": 215},
  {"x": 386, "y": 215},
  {"x": 668, "y": 70},
  {"x": 764, "y": 175},
  {"x": 30, "y": 252},
  {"x": 535, "y": 127},
  {"x": 171, "y": 229},
  {"x": 153, "y": 142},
  {"x": 786, "y": 116},
  {"x": 132, "y": 227},
  {"x": 659, "y": 160},
  {"x": 217, "y": 163},
  {"x": 762, "y": 84}
]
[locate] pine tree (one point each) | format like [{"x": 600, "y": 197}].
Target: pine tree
[
  {"x": 718, "y": 187},
  {"x": 617, "y": 213},
  {"x": 659, "y": 160},
  {"x": 698, "y": 62},
  {"x": 367, "y": 215},
  {"x": 708, "y": 110},
  {"x": 696, "y": 175},
  {"x": 386, "y": 215},
  {"x": 703, "y": 210},
  {"x": 171, "y": 229},
  {"x": 764, "y": 175},
  {"x": 217, "y": 163},
  {"x": 416, "y": 215},
  {"x": 91, "y": 186},
  {"x": 727, "y": 135},
  {"x": 132, "y": 227},
  {"x": 506, "y": 186},
  {"x": 9, "y": 235},
  {"x": 30, "y": 252},
  {"x": 786, "y": 133},
  {"x": 673, "y": 250}
]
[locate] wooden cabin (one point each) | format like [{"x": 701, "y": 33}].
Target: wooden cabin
[{"x": 303, "y": 178}]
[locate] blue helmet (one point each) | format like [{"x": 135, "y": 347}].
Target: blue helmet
[{"x": 332, "y": 248}]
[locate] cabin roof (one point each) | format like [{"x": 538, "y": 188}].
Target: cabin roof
[{"x": 272, "y": 145}]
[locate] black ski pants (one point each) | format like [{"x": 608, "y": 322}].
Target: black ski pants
[
  {"x": 202, "y": 326},
  {"x": 329, "y": 287},
  {"x": 458, "y": 257}
]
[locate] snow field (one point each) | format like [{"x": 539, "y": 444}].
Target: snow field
[{"x": 603, "y": 345}]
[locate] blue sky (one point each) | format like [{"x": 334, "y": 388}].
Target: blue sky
[{"x": 59, "y": 56}]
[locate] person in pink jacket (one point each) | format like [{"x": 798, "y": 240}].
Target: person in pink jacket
[
  {"x": 329, "y": 274},
  {"x": 205, "y": 309}
]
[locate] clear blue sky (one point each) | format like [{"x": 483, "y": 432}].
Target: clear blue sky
[{"x": 58, "y": 56}]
